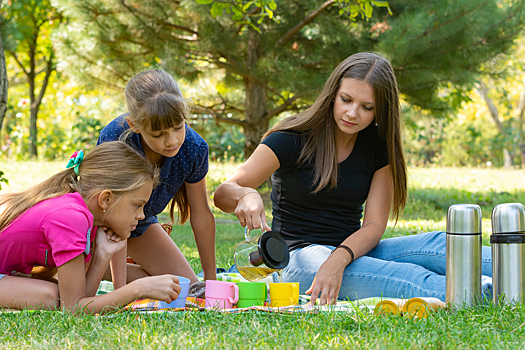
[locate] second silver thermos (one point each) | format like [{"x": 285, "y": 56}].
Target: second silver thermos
[
  {"x": 463, "y": 254},
  {"x": 508, "y": 252}
]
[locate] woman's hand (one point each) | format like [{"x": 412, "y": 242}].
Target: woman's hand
[
  {"x": 164, "y": 287},
  {"x": 107, "y": 242},
  {"x": 250, "y": 210},
  {"x": 238, "y": 195},
  {"x": 328, "y": 279}
]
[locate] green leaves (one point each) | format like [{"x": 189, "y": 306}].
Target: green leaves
[
  {"x": 248, "y": 12},
  {"x": 3, "y": 179},
  {"x": 368, "y": 10},
  {"x": 383, "y": 4},
  {"x": 243, "y": 12},
  {"x": 365, "y": 8},
  {"x": 217, "y": 9}
]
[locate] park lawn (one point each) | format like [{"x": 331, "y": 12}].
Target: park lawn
[
  {"x": 488, "y": 328},
  {"x": 432, "y": 191}
]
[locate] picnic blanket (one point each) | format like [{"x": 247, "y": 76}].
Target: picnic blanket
[
  {"x": 421, "y": 307},
  {"x": 378, "y": 305},
  {"x": 194, "y": 304}
]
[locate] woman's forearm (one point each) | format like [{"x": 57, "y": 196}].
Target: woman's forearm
[
  {"x": 227, "y": 196},
  {"x": 258, "y": 168},
  {"x": 365, "y": 239}
]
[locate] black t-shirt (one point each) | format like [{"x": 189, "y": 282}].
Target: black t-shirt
[{"x": 331, "y": 215}]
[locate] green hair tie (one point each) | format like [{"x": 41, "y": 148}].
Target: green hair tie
[{"x": 75, "y": 160}]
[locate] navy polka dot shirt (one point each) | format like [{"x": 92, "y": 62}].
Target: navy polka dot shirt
[{"x": 190, "y": 165}]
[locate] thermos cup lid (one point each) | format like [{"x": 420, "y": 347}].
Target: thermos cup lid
[
  {"x": 272, "y": 251},
  {"x": 464, "y": 219},
  {"x": 508, "y": 218}
]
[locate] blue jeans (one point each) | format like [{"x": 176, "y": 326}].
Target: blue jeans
[{"x": 401, "y": 267}]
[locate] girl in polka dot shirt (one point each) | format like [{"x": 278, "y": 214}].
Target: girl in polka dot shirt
[{"x": 155, "y": 126}]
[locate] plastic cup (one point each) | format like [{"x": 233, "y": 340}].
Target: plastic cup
[
  {"x": 221, "y": 294},
  {"x": 181, "y": 300},
  {"x": 284, "y": 294},
  {"x": 251, "y": 294}
]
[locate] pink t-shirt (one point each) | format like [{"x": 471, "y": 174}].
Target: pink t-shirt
[{"x": 50, "y": 233}]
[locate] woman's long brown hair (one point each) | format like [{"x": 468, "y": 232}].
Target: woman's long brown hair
[{"x": 319, "y": 125}]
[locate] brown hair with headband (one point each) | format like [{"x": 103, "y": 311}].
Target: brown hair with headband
[
  {"x": 113, "y": 166},
  {"x": 155, "y": 101}
]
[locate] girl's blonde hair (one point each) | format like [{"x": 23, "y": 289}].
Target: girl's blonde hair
[
  {"x": 319, "y": 125},
  {"x": 154, "y": 100},
  {"x": 113, "y": 166}
]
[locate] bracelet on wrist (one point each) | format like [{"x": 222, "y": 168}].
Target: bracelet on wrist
[
  {"x": 348, "y": 250},
  {"x": 248, "y": 192}
]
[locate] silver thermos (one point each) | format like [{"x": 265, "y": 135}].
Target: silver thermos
[
  {"x": 508, "y": 252},
  {"x": 463, "y": 254}
]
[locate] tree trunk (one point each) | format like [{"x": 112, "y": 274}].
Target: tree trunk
[
  {"x": 4, "y": 84},
  {"x": 521, "y": 118},
  {"x": 33, "y": 151},
  {"x": 256, "y": 122},
  {"x": 484, "y": 92},
  {"x": 31, "y": 74},
  {"x": 36, "y": 101}
]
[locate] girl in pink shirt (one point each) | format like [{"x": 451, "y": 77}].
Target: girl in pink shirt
[{"x": 71, "y": 225}]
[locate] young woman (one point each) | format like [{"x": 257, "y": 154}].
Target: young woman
[
  {"x": 52, "y": 228},
  {"x": 325, "y": 163},
  {"x": 155, "y": 126}
]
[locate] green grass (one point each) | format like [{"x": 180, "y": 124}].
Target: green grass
[
  {"x": 490, "y": 328},
  {"x": 432, "y": 190}
]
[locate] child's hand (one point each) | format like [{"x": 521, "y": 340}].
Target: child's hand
[
  {"x": 111, "y": 235},
  {"x": 107, "y": 242},
  {"x": 164, "y": 287}
]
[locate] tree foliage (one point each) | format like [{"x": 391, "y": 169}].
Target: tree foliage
[
  {"x": 261, "y": 72},
  {"x": 29, "y": 25},
  {"x": 486, "y": 129},
  {"x": 70, "y": 117},
  {"x": 439, "y": 50},
  {"x": 270, "y": 57},
  {"x": 247, "y": 11}
]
